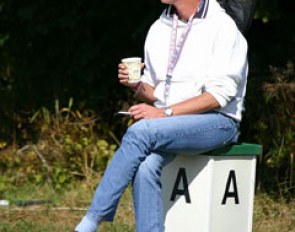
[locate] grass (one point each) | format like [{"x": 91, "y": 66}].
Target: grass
[
  {"x": 68, "y": 207},
  {"x": 273, "y": 215},
  {"x": 62, "y": 214}
]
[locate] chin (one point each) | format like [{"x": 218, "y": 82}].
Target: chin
[{"x": 167, "y": 1}]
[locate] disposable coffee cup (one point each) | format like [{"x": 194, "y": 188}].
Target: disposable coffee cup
[{"x": 134, "y": 70}]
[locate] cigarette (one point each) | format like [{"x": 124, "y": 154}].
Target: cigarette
[{"x": 124, "y": 112}]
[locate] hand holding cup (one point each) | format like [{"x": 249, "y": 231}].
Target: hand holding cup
[{"x": 129, "y": 71}]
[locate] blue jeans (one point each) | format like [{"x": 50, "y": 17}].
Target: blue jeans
[{"x": 146, "y": 147}]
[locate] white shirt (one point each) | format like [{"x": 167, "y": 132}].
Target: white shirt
[{"x": 213, "y": 59}]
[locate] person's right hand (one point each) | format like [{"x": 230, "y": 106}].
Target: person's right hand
[{"x": 123, "y": 75}]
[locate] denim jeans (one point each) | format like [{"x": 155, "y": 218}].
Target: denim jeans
[{"x": 146, "y": 147}]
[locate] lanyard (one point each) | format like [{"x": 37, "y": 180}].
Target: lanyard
[{"x": 175, "y": 51}]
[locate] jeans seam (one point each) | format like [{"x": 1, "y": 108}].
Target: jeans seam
[{"x": 189, "y": 133}]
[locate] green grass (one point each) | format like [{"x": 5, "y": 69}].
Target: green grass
[{"x": 68, "y": 207}]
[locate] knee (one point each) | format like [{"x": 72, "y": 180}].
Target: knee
[
  {"x": 151, "y": 167},
  {"x": 139, "y": 127},
  {"x": 138, "y": 131}
]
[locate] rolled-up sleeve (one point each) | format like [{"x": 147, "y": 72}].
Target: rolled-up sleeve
[{"x": 226, "y": 70}]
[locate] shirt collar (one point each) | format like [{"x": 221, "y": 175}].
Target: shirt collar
[{"x": 200, "y": 14}]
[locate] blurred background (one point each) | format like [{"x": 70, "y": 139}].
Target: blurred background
[{"x": 59, "y": 90}]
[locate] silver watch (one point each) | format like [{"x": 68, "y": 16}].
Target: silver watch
[{"x": 168, "y": 111}]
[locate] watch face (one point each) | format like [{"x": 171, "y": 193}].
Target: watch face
[{"x": 168, "y": 111}]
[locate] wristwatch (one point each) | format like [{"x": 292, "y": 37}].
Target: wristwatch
[{"x": 168, "y": 111}]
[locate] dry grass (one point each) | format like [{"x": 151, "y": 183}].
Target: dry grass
[
  {"x": 273, "y": 215},
  {"x": 62, "y": 214},
  {"x": 68, "y": 208}
]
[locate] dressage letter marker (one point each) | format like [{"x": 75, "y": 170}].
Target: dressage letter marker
[{"x": 211, "y": 192}]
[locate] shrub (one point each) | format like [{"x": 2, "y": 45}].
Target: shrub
[
  {"x": 69, "y": 144},
  {"x": 276, "y": 127}
]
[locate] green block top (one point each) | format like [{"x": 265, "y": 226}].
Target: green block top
[{"x": 243, "y": 149}]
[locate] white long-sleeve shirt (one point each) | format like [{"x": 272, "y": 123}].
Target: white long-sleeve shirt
[{"x": 213, "y": 59}]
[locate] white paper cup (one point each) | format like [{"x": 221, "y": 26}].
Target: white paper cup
[{"x": 134, "y": 70}]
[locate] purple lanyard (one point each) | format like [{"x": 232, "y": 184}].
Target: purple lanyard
[{"x": 175, "y": 51}]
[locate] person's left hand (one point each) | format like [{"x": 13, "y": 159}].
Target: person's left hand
[{"x": 146, "y": 111}]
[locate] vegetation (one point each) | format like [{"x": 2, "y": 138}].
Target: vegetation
[
  {"x": 65, "y": 210},
  {"x": 69, "y": 145},
  {"x": 59, "y": 92},
  {"x": 69, "y": 205}
]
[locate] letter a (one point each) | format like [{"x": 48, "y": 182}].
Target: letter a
[
  {"x": 181, "y": 175},
  {"x": 234, "y": 194}
]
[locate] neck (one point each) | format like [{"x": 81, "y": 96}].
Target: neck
[{"x": 186, "y": 8}]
